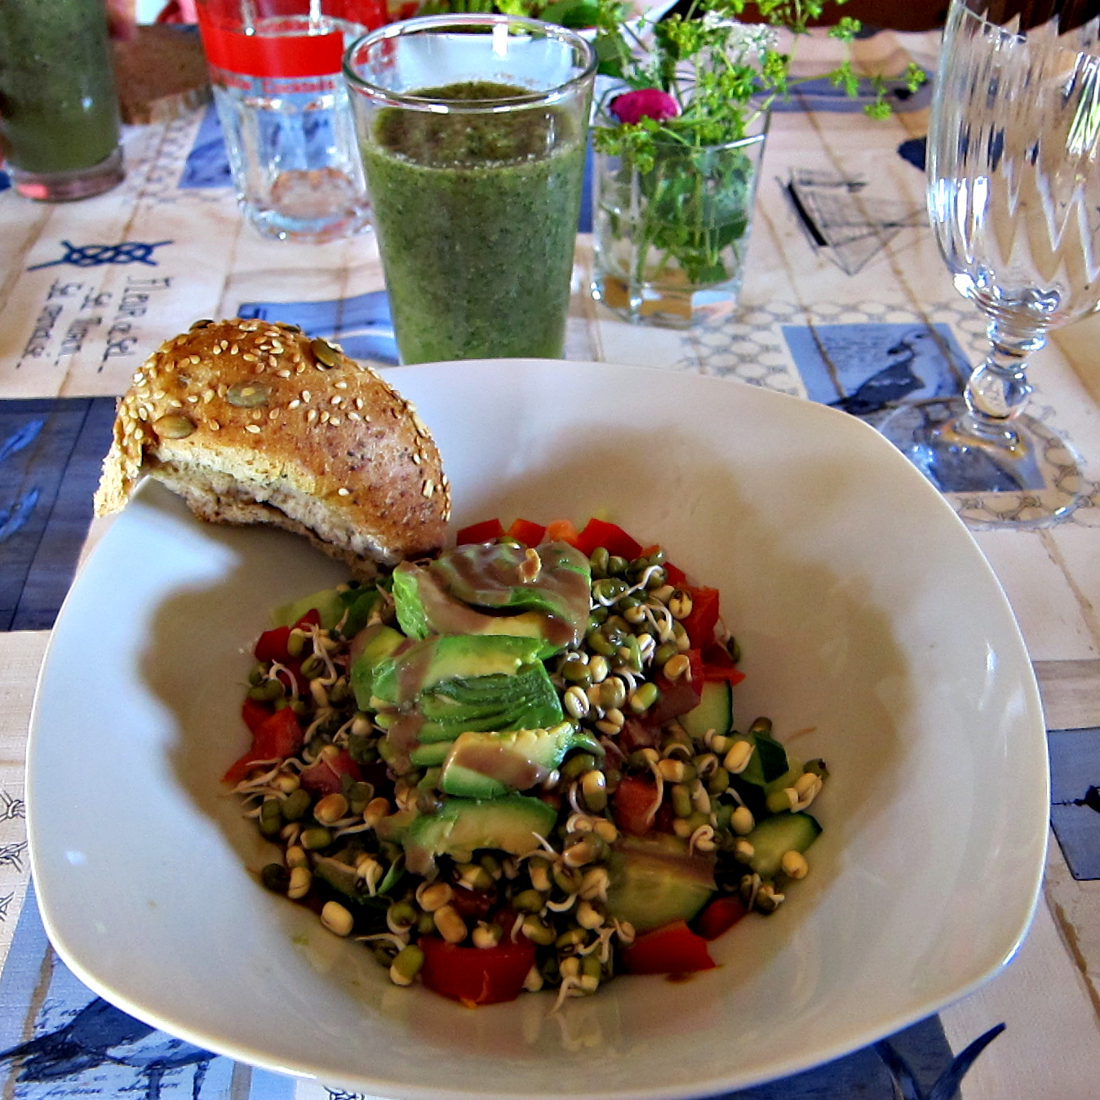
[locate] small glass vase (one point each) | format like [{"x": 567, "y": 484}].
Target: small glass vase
[{"x": 670, "y": 242}]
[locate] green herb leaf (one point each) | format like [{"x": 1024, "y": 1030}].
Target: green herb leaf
[{"x": 689, "y": 204}]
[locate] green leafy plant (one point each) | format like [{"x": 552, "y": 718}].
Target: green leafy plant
[
  {"x": 567, "y": 13},
  {"x": 686, "y": 89}
]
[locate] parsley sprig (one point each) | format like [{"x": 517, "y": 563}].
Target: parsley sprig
[
  {"x": 724, "y": 76},
  {"x": 723, "y": 73}
]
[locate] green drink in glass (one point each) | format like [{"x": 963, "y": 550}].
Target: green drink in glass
[
  {"x": 59, "y": 116},
  {"x": 473, "y": 132}
]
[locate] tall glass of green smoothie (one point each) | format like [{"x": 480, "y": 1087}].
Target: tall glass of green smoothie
[
  {"x": 473, "y": 132},
  {"x": 59, "y": 117}
]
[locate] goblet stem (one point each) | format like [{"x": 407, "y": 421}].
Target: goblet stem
[{"x": 998, "y": 391}]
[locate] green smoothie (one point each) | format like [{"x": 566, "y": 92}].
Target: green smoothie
[
  {"x": 58, "y": 105},
  {"x": 476, "y": 217}
]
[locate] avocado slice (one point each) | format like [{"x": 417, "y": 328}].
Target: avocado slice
[
  {"x": 432, "y": 661},
  {"x": 526, "y": 700},
  {"x": 376, "y": 644},
  {"x": 348, "y": 608},
  {"x": 443, "y": 686},
  {"x": 494, "y": 588},
  {"x": 484, "y": 765},
  {"x": 510, "y": 824},
  {"x": 654, "y": 880}
]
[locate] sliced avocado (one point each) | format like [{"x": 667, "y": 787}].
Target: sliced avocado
[
  {"x": 359, "y": 605},
  {"x": 484, "y": 765},
  {"x": 348, "y": 608},
  {"x": 654, "y": 880},
  {"x": 778, "y": 834},
  {"x": 714, "y": 711},
  {"x": 430, "y": 755},
  {"x": 327, "y": 602},
  {"x": 525, "y": 624},
  {"x": 409, "y": 601},
  {"x": 446, "y": 685},
  {"x": 492, "y": 588},
  {"x": 526, "y": 700},
  {"x": 435, "y": 660},
  {"x": 396, "y": 826},
  {"x": 377, "y": 644},
  {"x": 510, "y": 824}
]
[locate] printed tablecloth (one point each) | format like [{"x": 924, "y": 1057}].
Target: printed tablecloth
[{"x": 844, "y": 283}]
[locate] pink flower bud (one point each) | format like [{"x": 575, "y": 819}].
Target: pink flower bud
[{"x": 631, "y": 107}]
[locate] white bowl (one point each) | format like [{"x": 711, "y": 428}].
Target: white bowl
[{"x": 874, "y": 634}]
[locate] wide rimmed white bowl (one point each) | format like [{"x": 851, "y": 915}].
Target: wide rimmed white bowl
[{"x": 874, "y": 634}]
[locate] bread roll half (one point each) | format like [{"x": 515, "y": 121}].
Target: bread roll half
[{"x": 253, "y": 422}]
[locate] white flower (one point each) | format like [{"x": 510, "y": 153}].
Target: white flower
[
  {"x": 747, "y": 43},
  {"x": 712, "y": 21}
]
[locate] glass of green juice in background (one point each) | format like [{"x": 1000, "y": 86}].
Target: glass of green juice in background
[
  {"x": 473, "y": 131},
  {"x": 59, "y": 114}
]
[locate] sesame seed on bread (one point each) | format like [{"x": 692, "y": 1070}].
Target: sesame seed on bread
[{"x": 254, "y": 422}]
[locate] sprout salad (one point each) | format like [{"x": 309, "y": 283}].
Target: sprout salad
[{"x": 515, "y": 766}]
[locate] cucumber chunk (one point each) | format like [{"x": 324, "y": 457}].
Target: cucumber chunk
[
  {"x": 654, "y": 881},
  {"x": 778, "y": 834},
  {"x": 714, "y": 711}
]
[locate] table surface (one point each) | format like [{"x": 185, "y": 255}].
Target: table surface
[{"x": 842, "y": 282}]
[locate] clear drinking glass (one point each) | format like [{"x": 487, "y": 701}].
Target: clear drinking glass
[
  {"x": 275, "y": 72},
  {"x": 670, "y": 254},
  {"x": 1014, "y": 199}
]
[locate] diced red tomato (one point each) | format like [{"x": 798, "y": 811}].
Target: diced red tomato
[
  {"x": 704, "y": 616},
  {"x": 290, "y": 676},
  {"x": 637, "y": 733},
  {"x": 677, "y": 696},
  {"x": 675, "y": 575},
  {"x": 530, "y": 534},
  {"x": 276, "y": 737},
  {"x": 476, "y": 975},
  {"x": 326, "y": 775},
  {"x": 718, "y": 665},
  {"x": 255, "y": 713},
  {"x": 634, "y": 804},
  {"x": 486, "y": 531},
  {"x": 598, "y": 532},
  {"x": 562, "y": 530},
  {"x": 671, "y": 949},
  {"x": 272, "y": 644},
  {"x": 474, "y": 904},
  {"x": 720, "y": 915}
]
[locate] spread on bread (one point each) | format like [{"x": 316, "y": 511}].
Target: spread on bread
[{"x": 255, "y": 422}]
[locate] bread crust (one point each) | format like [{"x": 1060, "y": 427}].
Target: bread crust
[{"x": 254, "y": 422}]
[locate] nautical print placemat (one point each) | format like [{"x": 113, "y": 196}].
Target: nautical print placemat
[
  {"x": 59, "y": 1041},
  {"x": 1075, "y": 798}
]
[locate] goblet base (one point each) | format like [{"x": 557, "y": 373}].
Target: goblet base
[{"x": 1035, "y": 483}]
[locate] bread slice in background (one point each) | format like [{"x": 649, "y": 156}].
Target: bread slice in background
[
  {"x": 253, "y": 422},
  {"x": 160, "y": 73}
]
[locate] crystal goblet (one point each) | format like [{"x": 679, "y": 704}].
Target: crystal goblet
[{"x": 1014, "y": 199}]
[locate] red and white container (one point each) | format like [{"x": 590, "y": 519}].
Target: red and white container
[{"x": 275, "y": 66}]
